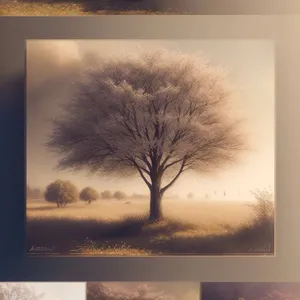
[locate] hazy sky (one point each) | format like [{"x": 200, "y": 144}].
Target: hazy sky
[
  {"x": 59, "y": 290},
  {"x": 51, "y": 65}
]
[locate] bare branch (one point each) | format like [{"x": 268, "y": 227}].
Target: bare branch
[
  {"x": 181, "y": 170},
  {"x": 141, "y": 173}
]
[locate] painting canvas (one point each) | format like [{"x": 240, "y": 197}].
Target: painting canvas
[{"x": 150, "y": 147}]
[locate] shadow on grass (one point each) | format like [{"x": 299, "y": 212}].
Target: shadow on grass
[
  {"x": 49, "y": 208},
  {"x": 137, "y": 235}
]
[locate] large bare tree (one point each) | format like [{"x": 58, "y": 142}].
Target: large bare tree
[{"x": 157, "y": 113}]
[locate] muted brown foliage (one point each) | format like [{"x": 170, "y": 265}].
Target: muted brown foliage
[
  {"x": 61, "y": 192},
  {"x": 157, "y": 114}
]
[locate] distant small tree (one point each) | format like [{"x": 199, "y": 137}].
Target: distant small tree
[
  {"x": 190, "y": 195},
  {"x": 18, "y": 291},
  {"x": 61, "y": 192},
  {"x": 88, "y": 194},
  {"x": 119, "y": 195},
  {"x": 106, "y": 195}
]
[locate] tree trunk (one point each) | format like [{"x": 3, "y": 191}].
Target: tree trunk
[
  {"x": 155, "y": 203},
  {"x": 89, "y": 201}
]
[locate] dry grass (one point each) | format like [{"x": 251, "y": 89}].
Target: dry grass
[
  {"x": 19, "y": 8},
  {"x": 116, "y": 228},
  {"x": 41, "y": 9},
  {"x": 196, "y": 212}
]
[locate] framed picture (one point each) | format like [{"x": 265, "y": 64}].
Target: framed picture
[
  {"x": 148, "y": 147},
  {"x": 234, "y": 222}
]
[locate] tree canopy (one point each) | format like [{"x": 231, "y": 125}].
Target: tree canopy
[
  {"x": 88, "y": 194},
  {"x": 154, "y": 113},
  {"x": 61, "y": 192}
]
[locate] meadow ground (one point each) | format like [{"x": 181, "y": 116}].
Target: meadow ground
[
  {"x": 71, "y": 8},
  {"x": 116, "y": 227}
]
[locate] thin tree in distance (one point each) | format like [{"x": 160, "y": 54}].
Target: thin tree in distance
[{"x": 154, "y": 113}]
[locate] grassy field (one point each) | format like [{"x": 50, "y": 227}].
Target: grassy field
[
  {"x": 112, "y": 227},
  {"x": 68, "y": 8}
]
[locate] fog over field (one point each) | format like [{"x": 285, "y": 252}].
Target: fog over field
[{"x": 196, "y": 212}]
